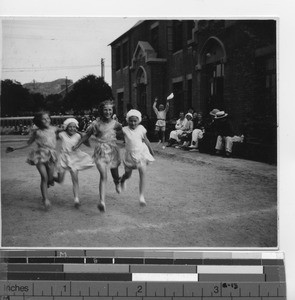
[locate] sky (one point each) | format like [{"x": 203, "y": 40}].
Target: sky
[{"x": 49, "y": 48}]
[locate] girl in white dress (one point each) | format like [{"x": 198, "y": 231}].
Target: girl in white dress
[
  {"x": 73, "y": 161},
  {"x": 138, "y": 151}
]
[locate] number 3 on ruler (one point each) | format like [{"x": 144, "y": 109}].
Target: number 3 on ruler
[{"x": 216, "y": 289}]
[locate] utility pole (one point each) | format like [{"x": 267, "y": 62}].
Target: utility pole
[
  {"x": 66, "y": 85},
  {"x": 102, "y": 67}
]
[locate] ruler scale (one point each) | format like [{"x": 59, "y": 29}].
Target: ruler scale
[{"x": 142, "y": 274}]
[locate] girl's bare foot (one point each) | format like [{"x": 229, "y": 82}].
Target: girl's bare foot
[
  {"x": 101, "y": 206},
  {"x": 47, "y": 204},
  {"x": 77, "y": 203},
  {"x": 142, "y": 200},
  {"x": 123, "y": 185},
  {"x": 118, "y": 188}
]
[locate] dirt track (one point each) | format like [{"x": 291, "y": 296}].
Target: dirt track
[{"x": 194, "y": 200}]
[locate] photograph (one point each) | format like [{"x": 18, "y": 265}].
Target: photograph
[{"x": 139, "y": 132}]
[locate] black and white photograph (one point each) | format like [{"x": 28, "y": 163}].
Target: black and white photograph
[{"x": 139, "y": 132}]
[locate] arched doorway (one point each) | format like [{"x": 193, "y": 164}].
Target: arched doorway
[
  {"x": 212, "y": 58},
  {"x": 141, "y": 83}
]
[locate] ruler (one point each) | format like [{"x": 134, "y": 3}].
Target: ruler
[{"x": 141, "y": 274}]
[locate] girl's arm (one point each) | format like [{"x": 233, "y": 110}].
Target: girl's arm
[
  {"x": 83, "y": 139},
  {"x": 86, "y": 143},
  {"x": 29, "y": 142},
  {"x": 167, "y": 105},
  {"x": 155, "y": 107},
  {"x": 146, "y": 140},
  {"x": 191, "y": 126},
  {"x": 119, "y": 131}
]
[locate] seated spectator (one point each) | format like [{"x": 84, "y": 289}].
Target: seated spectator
[
  {"x": 197, "y": 133},
  {"x": 184, "y": 137},
  {"x": 179, "y": 126},
  {"x": 208, "y": 141},
  {"x": 226, "y": 136}
]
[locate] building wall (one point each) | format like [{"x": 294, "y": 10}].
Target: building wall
[{"x": 244, "y": 48}]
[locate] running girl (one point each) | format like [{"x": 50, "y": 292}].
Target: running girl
[
  {"x": 138, "y": 151},
  {"x": 73, "y": 161},
  {"x": 45, "y": 156},
  {"x": 106, "y": 153}
]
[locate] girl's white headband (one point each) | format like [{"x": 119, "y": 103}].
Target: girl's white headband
[
  {"x": 70, "y": 120},
  {"x": 133, "y": 113}
]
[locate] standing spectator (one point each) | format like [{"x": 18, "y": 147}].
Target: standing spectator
[
  {"x": 179, "y": 127},
  {"x": 161, "y": 118}
]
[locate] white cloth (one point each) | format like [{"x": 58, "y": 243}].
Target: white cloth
[
  {"x": 227, "y": 141},
  {"x": 179, "y": 126},
  {"x": 197, "y": 134},
  {"x": 137, "y": 152},
  {"x": 73, "y": 160}
]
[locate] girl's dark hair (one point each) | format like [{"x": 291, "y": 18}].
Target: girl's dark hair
[
  {"x": 38, "y": 117},
  {"x": 103, "y": 104}
]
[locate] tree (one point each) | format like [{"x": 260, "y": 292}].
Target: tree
[
  {"x": 54, "y": 104},
  {"x": 88, "y": 93},
  {"x": 15, "y": 99}
]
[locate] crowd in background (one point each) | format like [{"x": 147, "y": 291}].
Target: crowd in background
[{"x": 191, "y": 131}]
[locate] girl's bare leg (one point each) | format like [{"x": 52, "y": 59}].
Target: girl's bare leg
[
  {"x": 142, "y": 171},
  {"x": 102, "y": 186},
  {"x": 116, "y": 177},
  {"x": 50, "y": 171},
  {"x": 60, "y": 177},
  {"x": 43, "y": 185},
  {"x": 75, "y": 180},
  {"x": 126, "y": 175},
  {"x": 163, "y": 137}
]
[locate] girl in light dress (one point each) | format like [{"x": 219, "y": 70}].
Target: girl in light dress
[
  {"x": 106, "y": 153},
  {"x": 138, "y": 151},
  {"x": 44, "y": 157},
  {"x": 73, "y": 161}
]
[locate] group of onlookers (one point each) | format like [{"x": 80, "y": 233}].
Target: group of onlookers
[{"x": 213, "y": 135}]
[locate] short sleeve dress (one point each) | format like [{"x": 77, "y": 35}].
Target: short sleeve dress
[
  {"x": 137, "y": 153},
  {"x": 73, "y": 160},
  {"x": 46, "y": 147},
  {"x": 106, "y": 150}
]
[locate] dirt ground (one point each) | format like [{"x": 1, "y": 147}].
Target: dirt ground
[{"x": 193, "y": 200}]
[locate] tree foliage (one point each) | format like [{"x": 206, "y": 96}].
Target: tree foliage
[
  {"x": 15, "y": 99},
  {"x": 87, "y": 93}
]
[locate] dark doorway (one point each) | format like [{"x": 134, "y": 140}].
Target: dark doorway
[
  {"x": 178, "y": 98},
  {"x": 141, "y": 98},
  {"x": 214, "y": 74}
]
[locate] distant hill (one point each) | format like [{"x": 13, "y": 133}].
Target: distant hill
[{"x": 47, "y": 88}]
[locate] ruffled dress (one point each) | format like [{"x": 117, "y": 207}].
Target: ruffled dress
[
  {"x": 73, "y": 160},
  {"x": 137, "y": 152},
  {"x": 46, "y": 147},
  {"x": 106, "y": 150}
]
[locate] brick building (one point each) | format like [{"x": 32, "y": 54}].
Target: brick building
[{"x": 225, "y": 64}]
